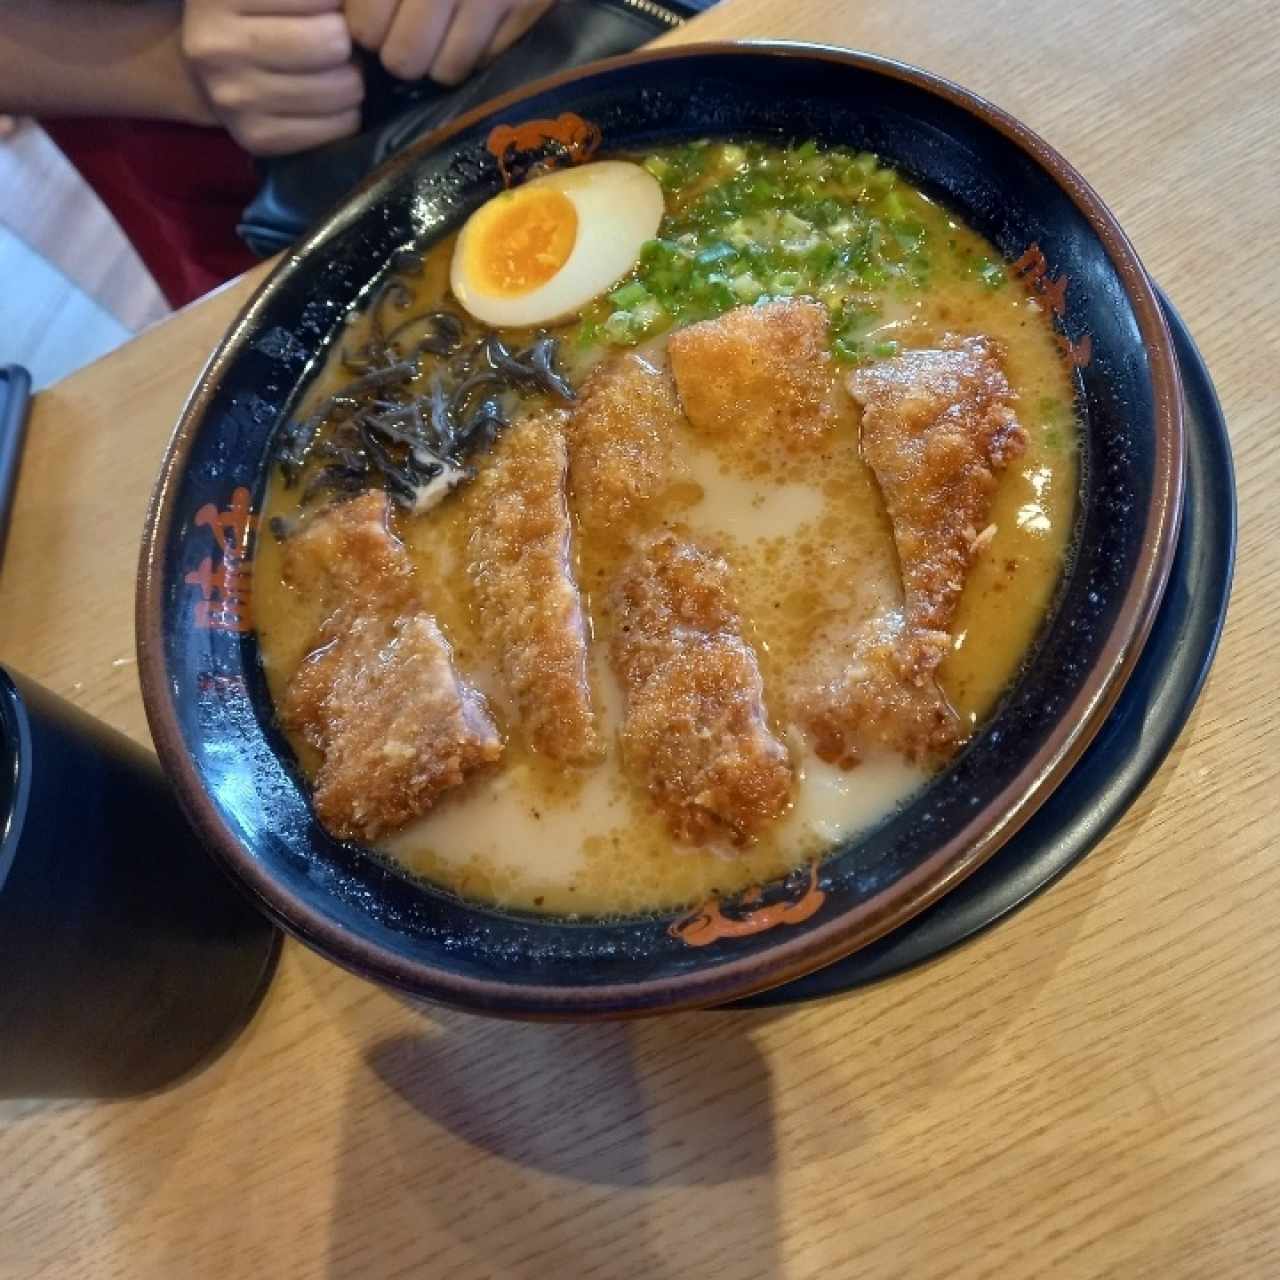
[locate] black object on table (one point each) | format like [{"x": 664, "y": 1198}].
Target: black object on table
[
  {"x": 127, "y": 958},
  {"x": 15, "y": 395},
  {"x": 1123, "y": 758}
]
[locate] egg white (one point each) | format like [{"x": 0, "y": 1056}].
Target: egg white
[{"x": 619, "y": 206}]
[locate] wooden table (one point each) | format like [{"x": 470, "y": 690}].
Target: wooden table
[{"x": 1091, "y": 1089}]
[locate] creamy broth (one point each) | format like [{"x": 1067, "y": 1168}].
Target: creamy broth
[{"x": 808, "y": 540}]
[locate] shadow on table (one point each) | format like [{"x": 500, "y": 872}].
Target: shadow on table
[{"x": 529, "y": 1150}]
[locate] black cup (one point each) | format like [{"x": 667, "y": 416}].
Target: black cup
[{"x": 127, "y": 958}]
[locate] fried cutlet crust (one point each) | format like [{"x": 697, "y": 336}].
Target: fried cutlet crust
[
  {"x": 758, "y": 373},
  {"x": 883, "y": 694},
  {"x": 695, "y": 731},
  {"x": 937, "y": 425},
  {"x": 397, "y": 726},
  {"x": 527, "y": 599},
  {"x": 621, "y": 435},
  {"x": 349, "y": 552},
  {"x": 378, "y": 696}
]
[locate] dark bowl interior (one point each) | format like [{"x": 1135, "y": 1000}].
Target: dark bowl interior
[{"x": 205, "y": 694}]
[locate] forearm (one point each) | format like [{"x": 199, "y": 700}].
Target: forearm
[{"x": 86, "y": 57}]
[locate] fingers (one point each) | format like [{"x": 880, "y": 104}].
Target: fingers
[
  {"x": 469, "y": 35},
  {"x": 330, "y": 92},
  {"x": 276, "y": 43},
  {"x": 273, "y": 114},
  {"x": 369, "y": 21},
  {"x": 277, "y": 74},
  {"x": 265, "y": 135},
  {"x": 514, "y": 25},
  {"x": 445, "y": 39},
  {"x": 301, "y": 44},
  {"x": 416, "y": 33}
]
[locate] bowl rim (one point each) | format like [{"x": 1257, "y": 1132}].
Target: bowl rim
[{"x": 790, "y": 956}]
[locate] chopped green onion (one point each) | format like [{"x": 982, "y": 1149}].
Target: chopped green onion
[
  {"x": 617, "y": 328},
  {"x": 794, "y": 227},
  {"x": 648, "y": 318},
  {"x": 746, "y": 222},
  {"x": 895, "y": 206},
  {"x": 713, "y": 254},
  {"x": 657, "y": 166},
  {"x": 732, "y": 156},
  {"x": 821, "y": 257},
  {"x": 629, "y": 295}
]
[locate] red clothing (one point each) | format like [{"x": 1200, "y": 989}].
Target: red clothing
[{"x": 177, "y": 191}]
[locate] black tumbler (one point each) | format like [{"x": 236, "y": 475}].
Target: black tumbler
[{"x": 127, "y": 958}]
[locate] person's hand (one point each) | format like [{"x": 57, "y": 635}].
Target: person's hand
[
  {"x": 443, "y": 39},
  {"x": 278, "y": 74}
]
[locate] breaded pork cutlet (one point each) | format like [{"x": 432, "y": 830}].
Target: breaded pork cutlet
[
  {"x": 695, "y": 732},
  {"x": 877, "y": 688},
  {"x": 937, "y": 425},
  {"x": 621, "y": 435},
  {"x": 378, "y": 696},
  {"x": 758, "y": 373},
  {"x": 528, "y": 601}
]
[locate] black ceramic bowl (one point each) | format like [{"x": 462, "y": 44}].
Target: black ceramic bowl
[{"x": 204, "y": 690}]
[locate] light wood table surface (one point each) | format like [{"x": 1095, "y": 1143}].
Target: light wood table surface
[{"x": 1092, "y": 1089}]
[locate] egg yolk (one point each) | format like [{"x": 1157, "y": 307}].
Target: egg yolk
[{"x": 526, "y": 238}]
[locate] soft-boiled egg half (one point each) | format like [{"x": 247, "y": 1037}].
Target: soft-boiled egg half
[{"x": 542, "y": 251}]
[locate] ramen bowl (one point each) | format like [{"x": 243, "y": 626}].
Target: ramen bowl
[{"x": 203, "y": 684}]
